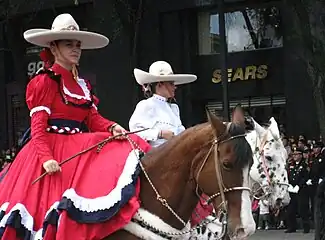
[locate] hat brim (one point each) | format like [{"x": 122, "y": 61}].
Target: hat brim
[
  {"x": 43, "y": 38},
  {"x": 143, "y": 77}
]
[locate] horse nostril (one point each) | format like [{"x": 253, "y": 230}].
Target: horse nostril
[{"x": 278, "y": 201}]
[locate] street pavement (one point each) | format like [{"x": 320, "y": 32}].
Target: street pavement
[{"x": 280, "y": 235}]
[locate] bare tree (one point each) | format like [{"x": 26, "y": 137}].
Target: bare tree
[{"x": 309, "y": 31}]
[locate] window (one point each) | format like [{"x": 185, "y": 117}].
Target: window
[
  {"x": 248, "y": 29},
  {"x": 260, "y": 108}
]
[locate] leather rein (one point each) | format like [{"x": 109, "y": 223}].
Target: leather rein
[{"x": 223, "y": 213}]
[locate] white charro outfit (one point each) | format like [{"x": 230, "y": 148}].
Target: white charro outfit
[{"x": 156, "y": 113}]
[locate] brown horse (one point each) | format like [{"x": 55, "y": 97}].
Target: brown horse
[{"x": 211, "y": 158}]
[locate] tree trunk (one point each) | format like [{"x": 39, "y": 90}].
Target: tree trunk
[
  {"x": 320, "y": 107},
  {"x": 309, "y": 31}
]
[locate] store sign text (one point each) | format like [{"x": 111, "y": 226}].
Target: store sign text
[
  {"x": 32, "y": 67},
  {"x": 247, "y": 73}
]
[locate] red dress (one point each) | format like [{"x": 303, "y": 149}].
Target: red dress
[{"x": 95, "y": 194}]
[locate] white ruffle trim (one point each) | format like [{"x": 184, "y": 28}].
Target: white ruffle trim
[
  {"x": 156, "y": 222},
  {"x": 26, "y": 218},
  {"x": 108, "y": 201},
  {"x": 38, "y": 109},
  {"x": 81, "y": 82},
  {"x": 94, "y": 106}
]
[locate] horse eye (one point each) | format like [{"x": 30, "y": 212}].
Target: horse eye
[
  {"x": 227, "y": 165},
  {"x": 272, "y": 140}
]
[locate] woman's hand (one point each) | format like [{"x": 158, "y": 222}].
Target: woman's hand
[
  {"x": 117, "y": 130},
  {"x": 166, "y": 134},
  {"x": 51, "y": 166}
]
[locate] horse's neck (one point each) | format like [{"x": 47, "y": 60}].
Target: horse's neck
[{"x": 170, "y": 176}]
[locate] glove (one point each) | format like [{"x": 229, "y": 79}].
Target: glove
[
  {"x": 296, "y": 189},
  {"x": 309, "y": 182},
  {"x": 320, "y": 180},
  {"x": 290, "y": 188}
]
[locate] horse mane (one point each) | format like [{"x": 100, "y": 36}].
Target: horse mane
[
  {"x": 241, "y": 146},
  {"x": 194, "y": 140}
]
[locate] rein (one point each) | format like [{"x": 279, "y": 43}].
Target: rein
[
  {"x": 268, "y": 189},
  {"x": 223, "y": 213}
]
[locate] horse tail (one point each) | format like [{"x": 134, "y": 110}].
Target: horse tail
[{"x": 319, "y": 212}]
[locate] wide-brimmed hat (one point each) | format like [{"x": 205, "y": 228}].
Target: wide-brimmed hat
[
  {"x": 162, "y": 71},
  {"x": 64, "y": 27}
]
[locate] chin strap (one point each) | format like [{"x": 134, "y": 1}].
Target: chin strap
[{"x": 75, "y": 72}]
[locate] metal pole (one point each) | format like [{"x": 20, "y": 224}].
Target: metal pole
[{"x": 223, "y": 60}]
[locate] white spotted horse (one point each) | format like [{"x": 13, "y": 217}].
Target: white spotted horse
[{"x": 268, "y": 173}]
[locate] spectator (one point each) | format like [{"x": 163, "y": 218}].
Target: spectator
[{"x": 264, "y": 217}]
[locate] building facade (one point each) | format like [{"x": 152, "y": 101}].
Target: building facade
[{"x": 264, "y": 75}]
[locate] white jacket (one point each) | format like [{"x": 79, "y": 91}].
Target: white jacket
[{"x": 157, "y": 114}]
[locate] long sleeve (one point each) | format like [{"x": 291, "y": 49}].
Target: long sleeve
[
  {"x": 40, "y": 94},
  {"x": 144, "y": 117},
  {"x": 96, "y": 122},
  {"x": 176, "y": 111}
]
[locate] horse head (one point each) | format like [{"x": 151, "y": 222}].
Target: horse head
[
  {"x": 268, "y": 170},
  {"x": 224, "y": 176}
]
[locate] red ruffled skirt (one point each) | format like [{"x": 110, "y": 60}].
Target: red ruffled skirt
[{"x": 95, "y": 194}]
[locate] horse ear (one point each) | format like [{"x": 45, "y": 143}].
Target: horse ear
[
  {"x": 274, "y": 129},
  {"x": 259, "y": 129},
  {"x": 215, "y": 122}
]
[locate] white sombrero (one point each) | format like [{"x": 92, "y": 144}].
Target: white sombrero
[
  {"x": 161, "y": 71},
  {"x": 64, "y": 27}
]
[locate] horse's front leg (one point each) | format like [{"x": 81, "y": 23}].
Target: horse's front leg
[{"x": 121, "y": 235}]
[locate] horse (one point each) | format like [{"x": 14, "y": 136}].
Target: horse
[
  {"x": 268, "y": 172},
  {"x": 211, "y": 158},
  {"x": 268, "y": 175}
]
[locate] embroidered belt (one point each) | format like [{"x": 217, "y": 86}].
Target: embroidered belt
[{"x": 64, "y": 126}]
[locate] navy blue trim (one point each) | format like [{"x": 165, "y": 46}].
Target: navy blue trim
[
  {"x": 68, "y": 123},
  {"x": 14, "y": 221},
  {"x": 51, "y": 219},
  {"x": 101, "y": 215},
  {"x": 64, "y": 123}
]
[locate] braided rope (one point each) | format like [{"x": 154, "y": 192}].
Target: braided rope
[
  {"x": 204, "y": 223},
  {"x": 63, "y": 130}
]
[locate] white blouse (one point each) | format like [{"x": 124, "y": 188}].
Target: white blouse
[{"x": 157, "y": 114}]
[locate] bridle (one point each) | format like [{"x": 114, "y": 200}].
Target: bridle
[
  {"x": 223, "y": 207},
  {"x": 267, "y": 189}
]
